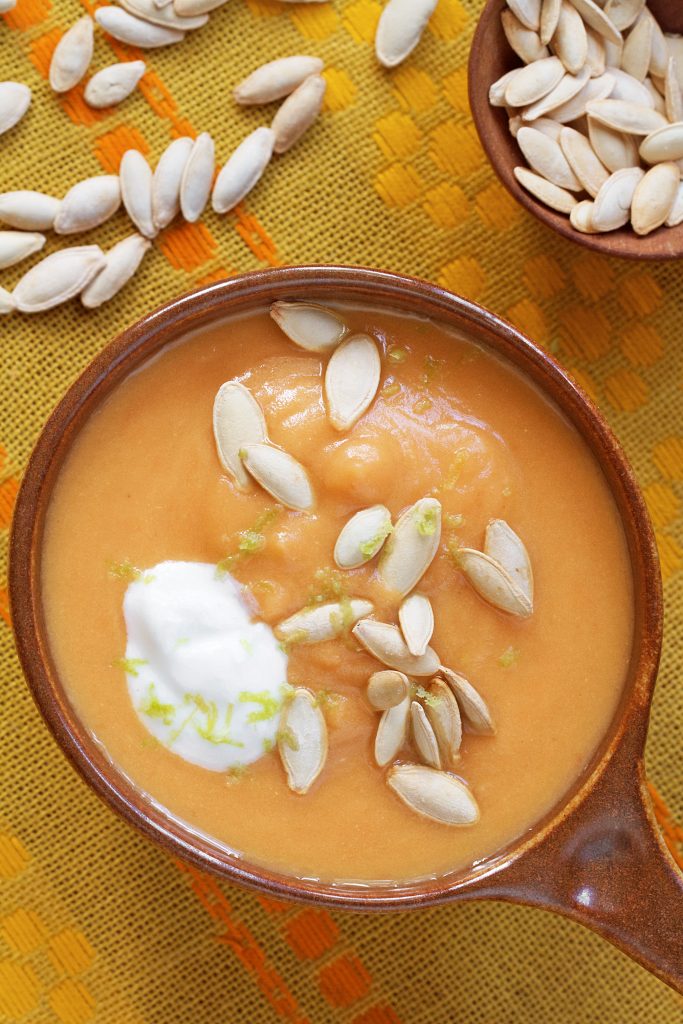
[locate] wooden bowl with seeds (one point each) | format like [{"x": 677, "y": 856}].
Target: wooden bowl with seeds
[
  {"x": 491, "y": 57},
  {"x": 596, "y": 854}
]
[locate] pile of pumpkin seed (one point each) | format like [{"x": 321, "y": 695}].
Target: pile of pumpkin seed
[
  {"x": 432, "y": 716},
  {"x": 596, "y": 111}
]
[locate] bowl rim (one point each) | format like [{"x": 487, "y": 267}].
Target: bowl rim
[
  {"x": 662, "y": 244},
  {"x": 133, "y": 347}
]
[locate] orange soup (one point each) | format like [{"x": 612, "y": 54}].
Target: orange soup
[{"x": 449, "y": 430}]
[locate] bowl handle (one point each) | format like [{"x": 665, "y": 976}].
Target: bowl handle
[{"x": 606, "y": 866}]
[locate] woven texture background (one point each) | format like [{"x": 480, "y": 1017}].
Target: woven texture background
[{"x": 98, "y": 925}]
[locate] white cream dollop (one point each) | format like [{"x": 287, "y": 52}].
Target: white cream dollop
[{"x": 204, "y": 679}]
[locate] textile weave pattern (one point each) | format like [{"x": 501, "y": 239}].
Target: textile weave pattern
[{"x": 97, "y": 924}]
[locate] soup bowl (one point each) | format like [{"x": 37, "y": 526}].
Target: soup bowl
[{"x": 597, "y": 857}]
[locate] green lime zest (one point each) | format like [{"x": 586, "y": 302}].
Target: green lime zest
[
  {"x": 129, "y": 665},
  {"x": 455, "y": 468},
  {"x": 370, "y": 547},
  {"x": 427, "y": 522},
  {"x": 154, "y": 708},
  {"x": 269, "y": 705},
  {"x": 390, "y": 388},
  {"x": 249, "y": 542},
  {"x": 509, "y": 657},
  {"x": 127, "y": 572},
  {"x": 210, "y": 729},
  {"x": 329, "y": 585},
  {"x": 328, "y": 699},
  {"x": 286, "y": 737},
  {"x": 268, "y": 745},
  {"x": 247, "y": 645},
  {"x": 455, "y": 520},
  {"x": 396, "y": 354},
  {"x": 430, "y": 699},
  {"x": 235, "y": 773}
]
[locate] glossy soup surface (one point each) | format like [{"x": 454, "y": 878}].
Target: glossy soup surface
[{"x": 143, "y": 483}]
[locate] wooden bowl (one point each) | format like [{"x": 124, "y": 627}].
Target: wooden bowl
[
  {"x": 490, "y": 57},
  {"x": 597, "y": 857}
]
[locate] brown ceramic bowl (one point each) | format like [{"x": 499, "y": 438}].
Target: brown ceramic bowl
[
  {"x": 491, "y": 57},
  {"x": 597, "y": 857}
]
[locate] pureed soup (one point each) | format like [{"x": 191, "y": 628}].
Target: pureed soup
[{"x": 361, "y": 613}]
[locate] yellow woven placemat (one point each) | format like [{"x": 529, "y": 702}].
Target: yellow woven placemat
[{"x": 98, "y": 925}]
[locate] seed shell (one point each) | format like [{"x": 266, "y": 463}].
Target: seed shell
[
  {"x": 672, "y": 93},
  {"x": 436, "y": 795},
  {"x": 190, "y": 8},
  {"x": 573, "y": 109},
  {"x": 303, "y": 742},
  {"x": 423, "y": 736},
  {"x": 276, "y": 79},
  {"x": 384, "y": 642},
  {"x": 503, "y": 545},
  {"x": 582, "y": 159},
  {"x": 676, "y": 215},
  {"x": 581, "y": 217},
  {"x": 166, "y": 181},
  {"x": 416, "y": 619},
  {"x": 546, "y": 157},
  {"x": 243, "y": 169},
  {"x": 195, "y": 185},
  {"x": 392, "y": 732},
  {"x": 443, "y": 713},
  {"x": 557, "y": 198},
  {"x": 570, "y": 41},
  {"x": 15, "y": 99},
  {"x": 298, "y": 112},
  {"x": 550, "y": 16},
  {"x": 595, "y": 18},
  {"x": 623, "y": 13},
  {"x": 136, "y": 191},
  {"x": 473, "y": 707},
  {"x": 362, "y": 537},
  {"x": 499, "y": 87},
  {"x": 237, "y": 421},
  {"x": 533, "y": 82},
  {"x": 72, "y": 55},
  {"x": 526, "y": 43},
  {"x": 351, "y": 380},
  {"x": 654, "y": 197},
  {"x": 663, "y": 145},
  {"x": 595, "y": 57},
  {"x": 628, "y": 88},
  {"x": 15, "y": 246},
  {"x": 400, "y": 29},
  {"x": 493, "y": 583},
  {"x": 7, "y": 303},
  {"x": 412, "y": 546},
  {"x": 386, "y": 689},
  {"x": 88, "y": 203},
  {"x": 632, "y": 118},
  {"x": 322, "y": 622},
  {"x": 527, "y": 11},
  {"x": 308, "y": 325},
  {"x": 122, "y": 261},
  {"x": 113, "y": 84},
  {"x": 280, "y": 474},
  {"x": 637, "y": 52},
  {"x": 165, "y": 17},
  {"x": 128, "y": 29},
  {"x": 614, "y": 149},
  {"x": 568, "y": 87},
  {"x": 57, "y": 278},
  {"x": 612, "y": 206},
  {"x": 28, "y": 211}
]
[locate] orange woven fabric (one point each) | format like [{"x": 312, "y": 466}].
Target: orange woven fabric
[{"x": 98, "y": 925}]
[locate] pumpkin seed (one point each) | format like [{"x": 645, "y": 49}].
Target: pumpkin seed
[
  {"x": 72, "y": 55},
  {"x": 279, "y": 474},
  {"x": 533, "y": 82},
  {"x": 444, "y": 716},
  {"x": 128, "y": 29},
  {"x": 7, "y": 5},
  {"x": 298, "y": 112},
  {"x": 628, "y": 88},
  {"x": 654, "y": 197},
  {"x": 493, "y": 583},
  {"x": 631, "y": 118},
  {"x": 596, "y": 19},
  {"x": 573, "y": 109},
  {"x": 391, "y": 732},
  {"x": 303, "y": 742},
  {"x": 386, "y": 689},
  {"x": 623, "y": 13},
  {"x": 166, "y": 181},
  {"x": 362, "y": 537},
  {"x": 164, "y": 17},
  {"x": 527, "y": 11},
  {"x": 595, "y": 56},
  {"x": 400, "y": 29},
  {"x": 581, "y": 217},
  {"x": 7, "y": 303},
  {"x": 15, "y": 99},
  {"x": 549, "y": 127},
  {"x": 514, "y": 124},
  {"x": 88, "y": 203},
  {"x": 637, "y": 52},
  {"x": 547, "y": 158},
  {"x": 57, "y": 278},
  {"x": 550, "y": 16},
  {"x": 583, "y": 161},
  {"x": 676, "y": 215},
  {"x": 568, "y": 87},
  {"x": 613, "y": 53},
  {"x": 323, "y": 622},
  {"x": 416, "y": 619},
  {"x": 113, "y": 84},
  {"x": 237, "y": 421},
  {"x": 122, "y": 260},
  {"x": 663, "y": 145},
  {"x": 190, "y": 8},
  {"x": 136, "y": 191},
  {"x": 28, "y": 211},
  {"x": 659, "y": 53},
  {"x": 612, "y": 206},
  {"x": 497, "y": 90},
  {"x": 503, "y": 545},
  {"x": 553, "y": 196},
  {"x": 384, "y": 642},
  {"x": 655, "y": 97},
  {"x": 195, "y": 184},
  {"x": 308, "y": 325},
  {"x": 473, "y": 707},
  {"x": 674, "y": 47},
  {"x": 411, "y": 547},
  {"x": 276, "y": 79},
  {"x": 15, "y": 246},
  {"x": 423, "y": 736},
  {"x": 615, "y": 150},
  {"x": 526, "y": 44},
  {"x": 570, "y": 41},
  {"x": 243, "y": 169},
  {"x": 672, "y": 93},
  {"x": 351, "y": 380},
  {"x": 436, "y": 795}
]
